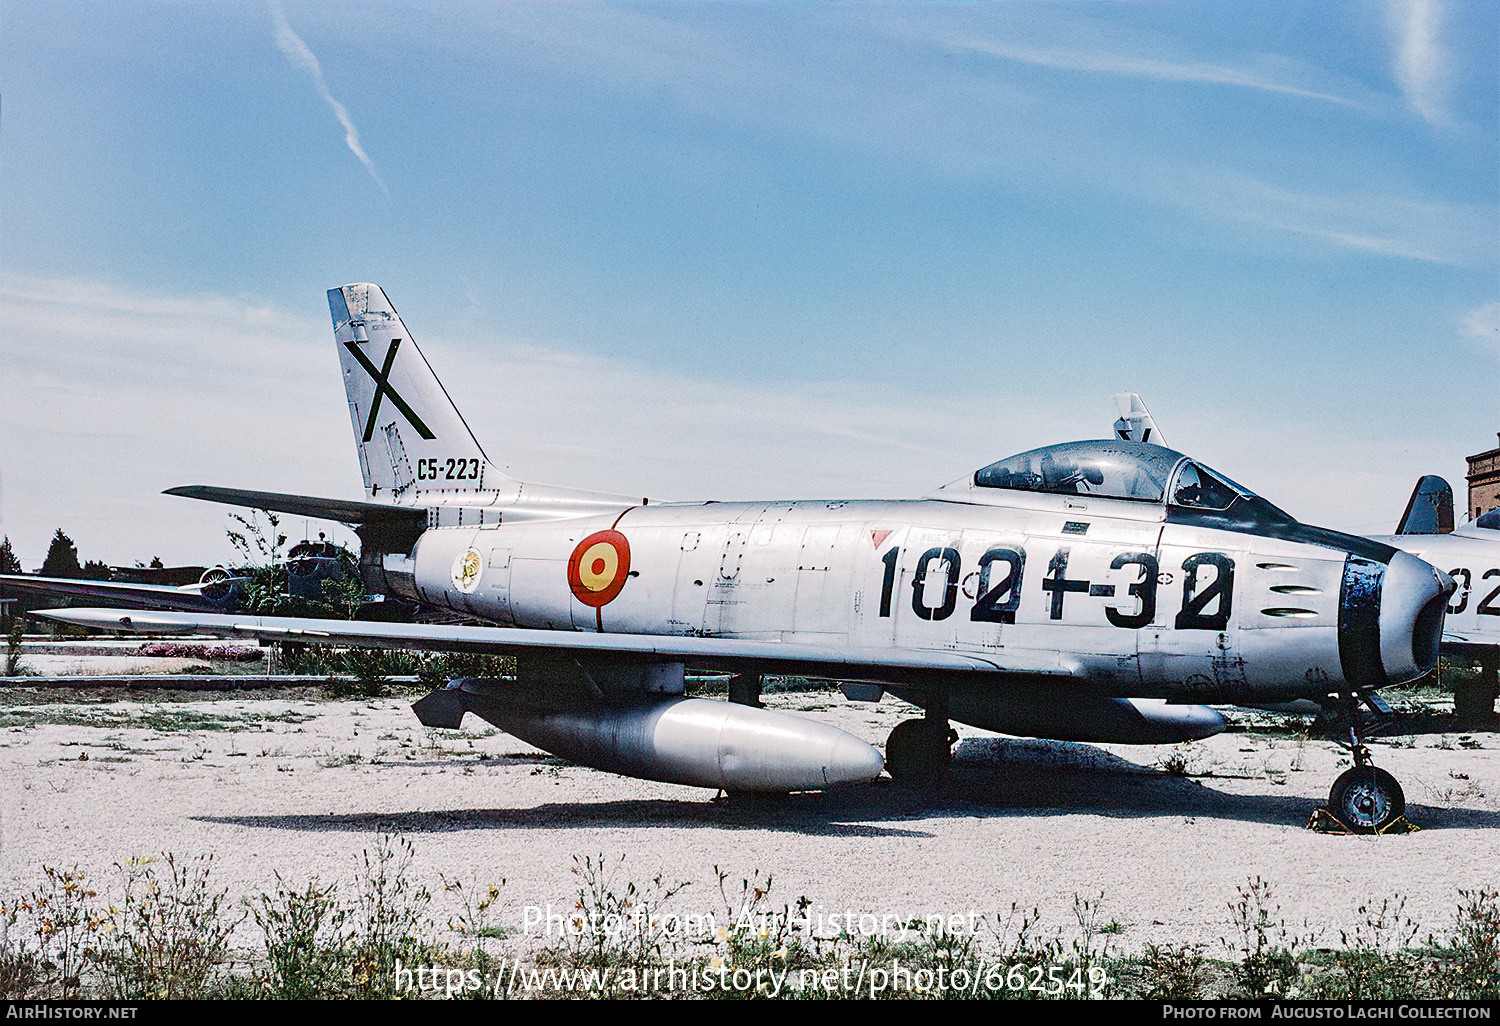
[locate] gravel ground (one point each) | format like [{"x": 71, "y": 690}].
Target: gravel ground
[{"x": 301, "y": 788}]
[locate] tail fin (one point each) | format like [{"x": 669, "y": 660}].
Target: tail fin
[
  {"x": 414, "y": 445},
  {"x": 411, "y": 438},
  {"x": 1135, "y": 423},
  {"x": 1430, "y": 508}
]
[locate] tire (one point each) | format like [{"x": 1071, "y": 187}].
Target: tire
[
  {"x": 1366, "y": 799},
  {"x": 918, "y": 752}
]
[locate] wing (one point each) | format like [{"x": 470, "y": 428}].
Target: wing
[
  {"x": 831, "y": 661},
  {"x": 188, "y": 599}
]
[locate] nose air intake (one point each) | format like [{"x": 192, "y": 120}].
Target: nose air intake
[{"x": 1390, "y": 619}]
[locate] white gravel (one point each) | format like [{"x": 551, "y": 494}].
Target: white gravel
[{"x": 308, "y": 786}]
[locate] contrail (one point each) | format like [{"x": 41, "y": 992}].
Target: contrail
[{"x": 291, "y": 44}]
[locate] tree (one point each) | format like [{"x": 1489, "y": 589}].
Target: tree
[
  {"x": 95, "y": 570},
  {"x": 261, "y": 542},
  {"x": 62, "y": 557},
  {"x": 9, "y": 564}
]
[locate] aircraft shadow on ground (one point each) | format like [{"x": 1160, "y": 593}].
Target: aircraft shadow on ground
[{"x": 991, "y": 778}]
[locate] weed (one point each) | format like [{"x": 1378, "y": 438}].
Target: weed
[
  {"x": 20, "y": 973},
  {"x": 65, "y": 929},
  {"x": 390, "y": 917},
  {"x": 13, "y": 649},
  {"x": 306, "y": 946},
  {"x": 164, "y": 720},
  {"x": 1471, "y": 966},
  {"x": 371, "y": 670},
  {"x": 1176, "y": 972},
  {"x": 172, "y": 932},
  {"x": 1268, "y": 961},
  {"x": 1374, "y": 963},
  {"x": 613, "y": 923}
]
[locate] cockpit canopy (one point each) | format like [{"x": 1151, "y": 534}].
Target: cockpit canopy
[{"x": 1115, "y": 470}]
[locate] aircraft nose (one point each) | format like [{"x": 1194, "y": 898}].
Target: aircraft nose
[{"x": 1390, "y": 619}]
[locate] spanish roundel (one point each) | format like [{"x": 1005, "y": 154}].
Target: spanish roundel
[{"x": 598, "y": 568}]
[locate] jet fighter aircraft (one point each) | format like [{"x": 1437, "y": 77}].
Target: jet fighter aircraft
[
  {"x": 1472, "y": 552},
  {"x": 1089, "y": 591},
  {"x": 1426, "y": 530}
]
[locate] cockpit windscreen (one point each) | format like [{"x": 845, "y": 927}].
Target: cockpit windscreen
[{"x": 1115, "y": 470}]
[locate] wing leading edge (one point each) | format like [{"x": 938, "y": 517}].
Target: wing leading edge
[{"x": 880, "y": 664}]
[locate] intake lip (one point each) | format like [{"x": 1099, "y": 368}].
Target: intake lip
[
  {"x": 1413, "y": 603},
  {"x": 1390, "y": 619}
]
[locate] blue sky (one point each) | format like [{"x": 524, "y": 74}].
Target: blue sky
[{"x": 744, "y": 251}]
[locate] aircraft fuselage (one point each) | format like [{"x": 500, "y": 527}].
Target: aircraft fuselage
[{"x": 1143, "y": 607}]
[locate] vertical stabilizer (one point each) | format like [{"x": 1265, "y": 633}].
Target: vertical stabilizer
[
  {"x": 414, "y": 446},
  {"x": 411, "y": 438},
  {"x": 1135, "y": 423},
  {"x": 1430, "y": 508}
]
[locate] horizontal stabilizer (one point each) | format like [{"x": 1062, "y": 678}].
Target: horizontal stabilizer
[
  {"x": 346, "y": 511},
  {"x": 380, "y": 526}
]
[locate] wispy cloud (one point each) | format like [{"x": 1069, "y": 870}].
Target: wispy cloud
[
  {"x": 1104, "y": 62},
  {"x": 1382, "y": 223},
  {"x": 1421, "y": 62},
  {"x": 296, "y": 51},
  {"x": 1483, "y": 323}
]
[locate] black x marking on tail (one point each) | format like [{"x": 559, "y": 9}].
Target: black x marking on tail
[{"x": 383, "y": 388}]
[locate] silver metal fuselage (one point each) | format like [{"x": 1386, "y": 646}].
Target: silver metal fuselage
[
  {"x": 1105, "y": 591},
  {"x": 1471, "y": 556}
]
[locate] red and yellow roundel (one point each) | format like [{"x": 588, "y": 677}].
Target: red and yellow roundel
[{"x": 598, "y": 568}]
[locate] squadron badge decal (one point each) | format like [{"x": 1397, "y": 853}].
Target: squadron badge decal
[
  {"x": 598, "y": 568},
  {"x": 466, "y": 571}
]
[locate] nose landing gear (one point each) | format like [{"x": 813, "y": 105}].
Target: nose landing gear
[{"x": 1364, "y": 799}]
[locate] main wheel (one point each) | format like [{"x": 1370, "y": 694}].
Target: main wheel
[
  {"x": 918, "y": 751},
  {"x": 1367, "y": 799}
]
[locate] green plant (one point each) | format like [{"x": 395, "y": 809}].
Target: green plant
[
  {"x": 65, "y": 928},
  {"x": 20, "y": 969},
  {"x": 1175, "y": 972},
  {"x": 259, "y": 540},
  {"x": 390, "y": 917},
  {"x": 1268, "y": 961},
  {"x": 305, "y": 940},
  {"x": 613, "y": 923},
  {"x": 472, "y": 920},
  {"x": 13, "y": 648},
  {"x": 172, "y": 932},
  {"x": 1472, "y": 957}
]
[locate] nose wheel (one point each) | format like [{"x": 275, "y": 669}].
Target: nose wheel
[{"x": 1365, "y": 799}]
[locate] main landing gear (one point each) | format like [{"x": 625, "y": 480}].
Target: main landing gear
[
  {"x": 920, "y": 751},
  {"x": 1365, "y": 799}
]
